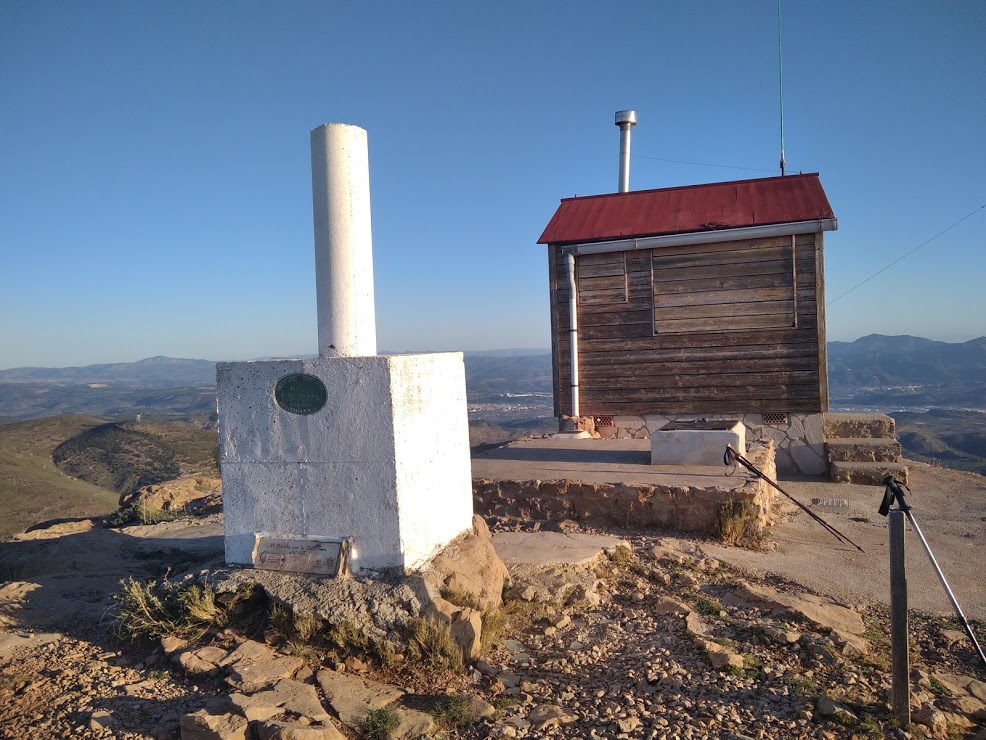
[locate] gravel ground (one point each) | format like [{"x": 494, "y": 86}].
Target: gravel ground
[
  {"x": 617, "y": 669},
  {"x": 58, "y": 686},
  {"x": 624, "y": 671}
]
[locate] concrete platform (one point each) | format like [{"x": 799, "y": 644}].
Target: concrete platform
[
  {"x": 595, "y": 461},
  {"x": 612, "y": 483},
  {"x": 544, "y": 549}
]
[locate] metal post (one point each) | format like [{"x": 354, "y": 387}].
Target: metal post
[
  {"x": 901, "y": 671},
  {"x": 626, "y": 120},
  {"x": 573, "y": 330},
  {"x": 895, "y": 492}
]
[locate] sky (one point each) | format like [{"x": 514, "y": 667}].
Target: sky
[{"x": 155, "y": 182}]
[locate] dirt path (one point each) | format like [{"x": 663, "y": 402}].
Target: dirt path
[
  {"x": 82, "y": 682},
  {"x": 950, "y": 508}
]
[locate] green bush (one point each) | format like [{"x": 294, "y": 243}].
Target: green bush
[
  {"x": 139, "y": 513},
  {"x": 378, "y": 724}
]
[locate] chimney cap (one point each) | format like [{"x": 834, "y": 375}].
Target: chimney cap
[{"x": 626, "y": 117}]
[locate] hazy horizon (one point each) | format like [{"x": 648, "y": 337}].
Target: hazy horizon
[{"x": 503, "y": 352}]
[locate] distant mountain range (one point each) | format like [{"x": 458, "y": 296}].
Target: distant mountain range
[
  {"x": 153, "y": 372},
  {"x": 876, "y": 371},
  {"x": 908, "y": 372},
  {"x": 172, "y": 372}
]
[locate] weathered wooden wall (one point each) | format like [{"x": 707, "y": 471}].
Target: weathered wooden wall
[{"x": 706, "y": 328}]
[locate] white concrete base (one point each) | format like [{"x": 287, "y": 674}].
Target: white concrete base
[
  {"x": 571, "y": 435},
  {"x": 678, "y": 444},
  {"x": 385, "y": 461}
]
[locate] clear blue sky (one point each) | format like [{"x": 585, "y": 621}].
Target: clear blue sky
[{"x": 155, "y": 178}]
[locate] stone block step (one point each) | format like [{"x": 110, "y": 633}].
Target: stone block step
[
  {"x": 853, "y": 426},
  {"x": 866, "y": 473},
  {"x": 863, "y": 449}
]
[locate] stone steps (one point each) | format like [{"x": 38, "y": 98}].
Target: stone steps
[
  {"x": 854, "y": 426},
  {"x": 863, "y": 449},
  {"x": 867, "y": 473}
]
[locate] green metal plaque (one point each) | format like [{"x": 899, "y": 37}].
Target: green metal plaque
[{"x": 300, "y": 393}]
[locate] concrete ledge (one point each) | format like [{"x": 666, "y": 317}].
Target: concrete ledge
[
  {"x": 864, "y": 449},
  {"x": 853, "y": 426},
  {"x": 696, "y": 443},
  {"x": 867, "y": 473}
]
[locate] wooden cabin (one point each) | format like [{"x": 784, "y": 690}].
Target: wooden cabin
[{"x": 697, "y": 300}]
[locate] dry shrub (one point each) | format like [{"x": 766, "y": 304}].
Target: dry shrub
[
  {"x": 513, "y": 618},
  {"x": 430, "y": 642},
  {"x": 139, "y": 513},
  {"x": 308, "y": 627},
  {"x": 156, "y": 610},
  {"x": 738, "y": 523},
  {"x": 459, "y": 597}
]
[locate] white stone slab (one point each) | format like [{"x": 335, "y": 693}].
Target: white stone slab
[
  {"x": 696, "y": 445},
  {"x": 384, "y": 462}
]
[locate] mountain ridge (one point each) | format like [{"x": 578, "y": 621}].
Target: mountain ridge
[{"x": 873, "y": 372}]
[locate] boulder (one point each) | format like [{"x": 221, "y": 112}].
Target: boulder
[
  {"x": 274, "y": 730},
  {"x": 820, "y": 610},
  {"x": 469, "y": 565},
  {"x": 352, "y": 698},
  {"x": 255, "y": 675},
  {"x": 412, "y": 724},
  {"x": 197, "y": 494},
  {"x": 550, "y": 715},
  {"x": 203, "y": 725},
  {"x": 720, "y": 655},
  {"x": 284, "y": 696}
]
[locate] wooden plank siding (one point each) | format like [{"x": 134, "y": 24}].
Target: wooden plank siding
[{"x": 719, "y": 327}]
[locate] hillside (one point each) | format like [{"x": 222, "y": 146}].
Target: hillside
[
  {"x": 152, "y": 372},
  {"x": 23, "y": 400},
  {"x": 944, "y": 437},
  {"x": 32, "y": 488},
  {"x": 126, "y": 456},
  {"x": 907, "y": 372}
]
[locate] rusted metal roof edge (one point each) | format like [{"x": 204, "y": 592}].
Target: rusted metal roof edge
[{"x": 681, "y": 209}]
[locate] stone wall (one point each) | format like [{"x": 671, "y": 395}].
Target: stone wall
[
  {"x": 683, "y": 508},
  {"x": 799, "y": 442}
]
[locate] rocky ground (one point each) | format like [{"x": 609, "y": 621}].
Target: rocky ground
[
  {"x": 660, "y": 639},
  {"x": 683, "y": 647}
]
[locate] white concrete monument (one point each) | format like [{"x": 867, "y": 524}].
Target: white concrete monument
[{"x": 368, "y": 451}]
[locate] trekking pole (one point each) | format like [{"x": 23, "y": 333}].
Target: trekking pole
[
  {"x": 894, "y": 492},
  {"x": 732, "y": 456}
]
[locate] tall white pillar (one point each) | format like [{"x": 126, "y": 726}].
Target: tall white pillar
[{"x": 343, "y": 241}]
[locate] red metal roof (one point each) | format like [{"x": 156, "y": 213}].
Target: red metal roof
[{"x": 720, "y": 205}]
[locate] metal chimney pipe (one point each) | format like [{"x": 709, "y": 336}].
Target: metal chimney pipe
[
  {"x": 625, "y": 119},
  {"x": 343, "y": 241}
]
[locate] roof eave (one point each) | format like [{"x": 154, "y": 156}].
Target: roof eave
[{"x": 701, "y": 237}]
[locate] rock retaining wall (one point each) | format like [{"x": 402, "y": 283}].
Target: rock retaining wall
[{"x": 684, "y": 508}]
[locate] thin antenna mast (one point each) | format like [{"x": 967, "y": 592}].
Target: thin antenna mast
[{"x": 780, "y": 68}]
